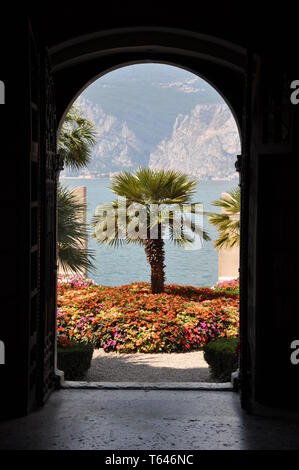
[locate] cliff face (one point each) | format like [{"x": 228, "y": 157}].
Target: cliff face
[
  {"x": 152, "y": 115},
  {"x": 204, "y": 143},
  {"x": 117, "y": 146}
]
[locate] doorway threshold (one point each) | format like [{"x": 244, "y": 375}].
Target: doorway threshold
[{"x": 224, "y": 386}]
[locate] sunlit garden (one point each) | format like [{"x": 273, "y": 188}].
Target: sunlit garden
[
  {"x": 132, "y": 319},
  {"x": 154, "y": 317}
]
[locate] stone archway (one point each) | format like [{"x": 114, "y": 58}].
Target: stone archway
[
  {"x": 222, "y": 64},
  {"x": 85, "y": 44},
  {"x": 72, "y": 65}
]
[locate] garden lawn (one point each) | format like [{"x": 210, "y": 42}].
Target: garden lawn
[{"x": 130, "y": 319}]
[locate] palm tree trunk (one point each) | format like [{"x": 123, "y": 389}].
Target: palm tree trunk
[{"x": 154, "y": 250}]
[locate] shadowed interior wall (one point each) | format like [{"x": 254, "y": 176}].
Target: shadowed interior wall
[{"x": 269, "y": 149}]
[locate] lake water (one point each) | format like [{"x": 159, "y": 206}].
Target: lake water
[{"x": 122, "y": 265}]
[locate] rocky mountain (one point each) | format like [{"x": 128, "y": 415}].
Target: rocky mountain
[
  {"x": 117, "y": 148},
  {"x": 161, "y": 116},
  {"x": 203, "y": 143}
]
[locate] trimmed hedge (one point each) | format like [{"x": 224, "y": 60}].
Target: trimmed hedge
[
  {"x": 74, "y": 360},
  {"x": 221, "y": 356}
]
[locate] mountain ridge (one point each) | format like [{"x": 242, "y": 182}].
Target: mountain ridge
[{"x": 161, "y": 116}]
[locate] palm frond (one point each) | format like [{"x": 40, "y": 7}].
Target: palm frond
[
  {"x": 111, "y": 231},
  {"x": 76, "y": 140},
  {"x": 71, "y": 233},
  {"x": 148, "y": 186},
  {"x": 75, "y": 259},
  {"x": 228, "y": 221}
]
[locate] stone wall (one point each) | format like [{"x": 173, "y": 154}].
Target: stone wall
[{"x": 228, "y": 263}]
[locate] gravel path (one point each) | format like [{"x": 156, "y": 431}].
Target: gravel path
[{"x": 140, "y": 367}]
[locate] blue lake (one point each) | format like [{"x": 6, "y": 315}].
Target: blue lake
[{"x": 122, "y": 265}]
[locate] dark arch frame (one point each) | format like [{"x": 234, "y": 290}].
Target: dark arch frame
[
  {"x": 80, "y": 61},
  {"x": 257, "y": 87}
]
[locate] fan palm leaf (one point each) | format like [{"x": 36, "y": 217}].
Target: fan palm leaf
[
  {"x": 170, "y": 194},
  {"x": 75, "y": 143},
  {"x": 76, "y": 140},
  {"x": 228, "y": 221},
  {"x": 72, "y": 254}
]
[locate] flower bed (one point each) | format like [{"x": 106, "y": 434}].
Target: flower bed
[
  {"x": 129, "y": 318},
  {"x": 228, "y": 287}
]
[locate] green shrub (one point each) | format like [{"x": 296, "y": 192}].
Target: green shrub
[
  {"x": 221, "y": 356},
  {"x": 74, "y": 360}
]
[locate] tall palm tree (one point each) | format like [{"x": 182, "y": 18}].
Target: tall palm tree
[
  {"x": 75, "y": 143},
  {"x": 170, "y": 193},
  {"x": 228, "y": 221}
]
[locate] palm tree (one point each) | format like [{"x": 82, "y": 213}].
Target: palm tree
[
  {"x": 169, "y": 193},
  {"x": 72, "y": 253},
  {"x": 228, "y": 221},
  {"x": 76, "y": 139}
]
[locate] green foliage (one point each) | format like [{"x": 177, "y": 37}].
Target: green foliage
[
  {"x": 228, "y": 221},
  {"x": 76, "y": 140},
  {"x": 228, "y": 287},
  {"x": 154, "y": 186},
  {"x": 72, "y": 255},
  {"x": 74, "y": 360},
  {"x": 221, "y": 356},
  {"x": 170, "y": 190},
  {"x": 75, "y": 143}
]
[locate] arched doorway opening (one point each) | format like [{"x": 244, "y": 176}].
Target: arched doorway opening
[
  {"x": 71, "y": 66},
  {"x": 155, "y": 159}
]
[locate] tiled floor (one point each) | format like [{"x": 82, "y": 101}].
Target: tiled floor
[{"x": 139, "y": 419}]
